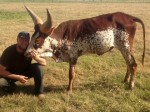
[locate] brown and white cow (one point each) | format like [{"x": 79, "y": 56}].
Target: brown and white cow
[{"x": 98, "y": 35}]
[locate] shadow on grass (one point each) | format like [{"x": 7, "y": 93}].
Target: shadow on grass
[
  {"x": 29, "y": 89},
  {"x": 101, "y": 85}
]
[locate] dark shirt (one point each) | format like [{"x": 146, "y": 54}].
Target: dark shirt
[{"x": 14, "y": 61}]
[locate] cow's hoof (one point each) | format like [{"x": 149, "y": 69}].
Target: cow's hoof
[
  {"x": 131, "y": 86},
  {"x": 126, "y": 81},
  {"x": 69, "y": 91}
]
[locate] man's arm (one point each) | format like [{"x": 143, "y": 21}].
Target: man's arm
[
  {"x": 37, "y": 58},
  {"x": 5, "y": 73}
]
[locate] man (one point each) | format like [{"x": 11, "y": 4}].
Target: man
[{"x": 14, "y": 66}]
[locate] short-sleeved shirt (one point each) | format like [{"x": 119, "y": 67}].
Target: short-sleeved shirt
[{"x": 14, "y": 61}]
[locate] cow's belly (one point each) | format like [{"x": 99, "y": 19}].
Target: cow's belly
[
  {"x": 102, "y": 42},
  {"x": 99, "y": 43}
]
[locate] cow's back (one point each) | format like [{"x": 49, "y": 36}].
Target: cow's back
[{"x": 74, "y": 29}]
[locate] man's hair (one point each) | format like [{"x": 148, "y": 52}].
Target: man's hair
[{"x": 24, "y": 35}]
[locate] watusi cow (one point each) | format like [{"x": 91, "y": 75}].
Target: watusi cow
[{"x": 73, "y": 38}]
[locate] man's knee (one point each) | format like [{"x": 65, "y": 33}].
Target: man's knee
[{"x": 37, "y": 68}]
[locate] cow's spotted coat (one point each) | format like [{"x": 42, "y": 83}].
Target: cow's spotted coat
[{"x": 98, "y": 43}]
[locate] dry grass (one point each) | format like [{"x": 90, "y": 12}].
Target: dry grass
[{"x": 98, "y": 84}]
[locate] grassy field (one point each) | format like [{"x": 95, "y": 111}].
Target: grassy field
[{"x": 98, "y": 84}]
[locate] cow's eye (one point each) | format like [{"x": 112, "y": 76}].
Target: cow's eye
[{"x": 36, "y": 45}]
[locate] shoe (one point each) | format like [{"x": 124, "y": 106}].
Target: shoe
[
  {"x": 3, "y": 82},
  {"x": 8, "y": 86},
  {"x": 41, "y": 96},
  {"x": 8, "y": 89}
]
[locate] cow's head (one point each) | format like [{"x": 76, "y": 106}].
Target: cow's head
[{"x": 42, "y": 31}]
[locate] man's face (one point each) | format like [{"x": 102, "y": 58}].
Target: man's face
[{"x": 23, "y": 43}]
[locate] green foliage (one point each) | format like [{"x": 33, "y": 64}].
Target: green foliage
[{"x": 9, "y": 15}]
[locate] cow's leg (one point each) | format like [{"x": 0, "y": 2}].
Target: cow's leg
[
  {"x": 133, "y": 68},
  {"x": 131, "y": 63},
  {"x": 123, "y": 45},
  {"x": 131, "y": 31},
  {"x": 71, "y": 74},
  {"x": 127, "y": 77}
]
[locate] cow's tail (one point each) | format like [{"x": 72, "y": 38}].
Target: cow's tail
[{"x": 143, "y": 27}]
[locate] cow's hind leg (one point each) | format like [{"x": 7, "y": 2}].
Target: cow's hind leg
[
  {"x": 127, "y": 77},
  {"x": 132, "y": 66},
  {"x": 124, "y": 47},
  {"x": 131, "y": 31},
  {"x": 71, "y": 74}
]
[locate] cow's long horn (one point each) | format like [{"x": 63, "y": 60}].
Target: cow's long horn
[
  {"x": 34, "y": 17},
  {"x": 48, "y": 23}
]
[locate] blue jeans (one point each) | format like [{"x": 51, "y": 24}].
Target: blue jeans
[{"x": 36, "y": 71}]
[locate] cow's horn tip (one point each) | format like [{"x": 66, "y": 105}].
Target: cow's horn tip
[{"x": 25, "y": 6}]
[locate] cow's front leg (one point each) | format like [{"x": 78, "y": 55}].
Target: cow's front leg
[{"x": 71, "y": 74}]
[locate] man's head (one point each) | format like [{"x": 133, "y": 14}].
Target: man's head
[{"x": 23, "y": 39}]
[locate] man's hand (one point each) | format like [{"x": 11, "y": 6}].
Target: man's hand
[
  {"x": 22, "y": 79},
  {"x": 34, "y": 55}
]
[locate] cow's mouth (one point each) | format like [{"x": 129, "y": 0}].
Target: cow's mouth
[{"x": 28, "y": 55}]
